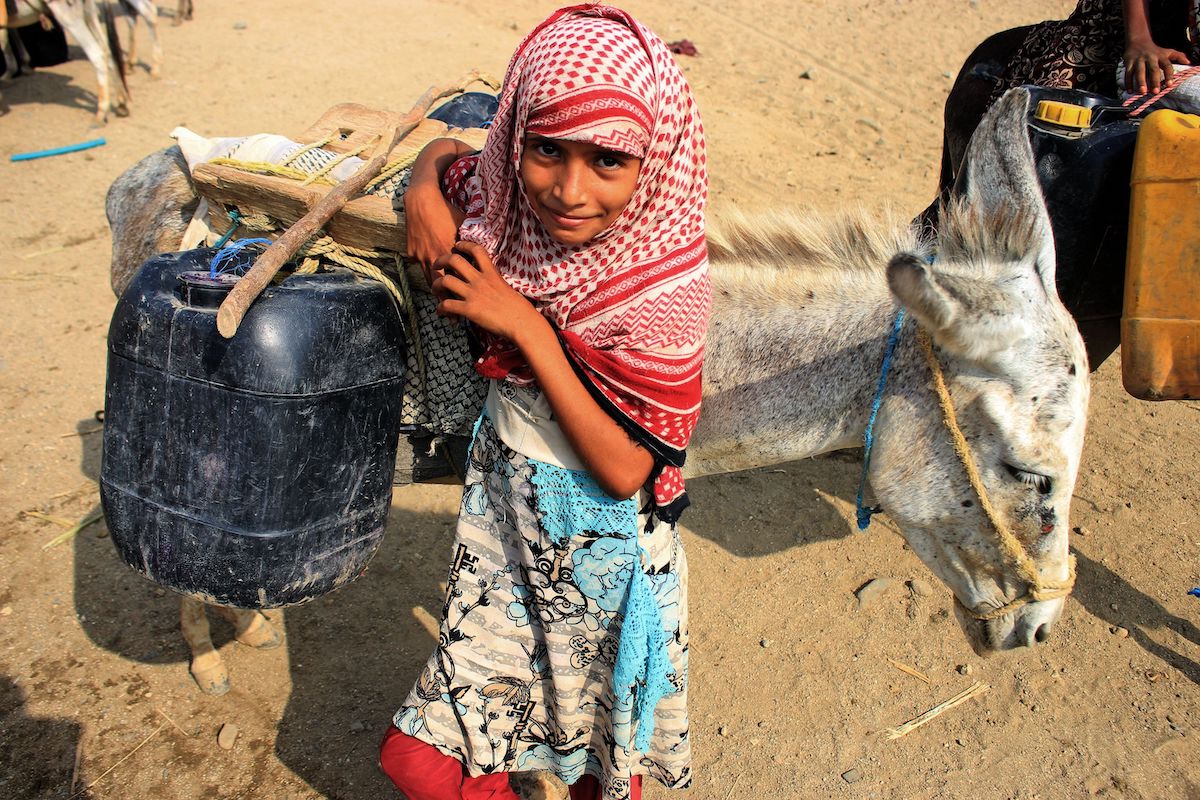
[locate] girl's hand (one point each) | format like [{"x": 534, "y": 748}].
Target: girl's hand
[
  {"x": 432, "y": 225},
  {"x": 1144, "y": 61},
  {"x": 471, "y": 287}
]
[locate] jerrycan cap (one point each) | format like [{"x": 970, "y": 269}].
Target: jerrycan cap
[
  {"x": 1067, "y": 115},
  {"x": 199, "y": 289}
]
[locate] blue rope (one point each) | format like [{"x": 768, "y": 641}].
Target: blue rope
[
  {"x": 237, "y": 257},
  {"x": 862, "y": 512},
  {"x": 1194, "y": 592}
]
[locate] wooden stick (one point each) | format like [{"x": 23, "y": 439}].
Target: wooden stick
[
  {"x": 916, "y": 722},
  {"x": 247, "y": 289}
]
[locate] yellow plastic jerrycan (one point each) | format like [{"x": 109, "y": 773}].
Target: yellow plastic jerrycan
[{"x": 1160, "y": 327}]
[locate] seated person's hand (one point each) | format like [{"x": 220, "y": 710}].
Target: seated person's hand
[{"x": 1148, "y": 66}]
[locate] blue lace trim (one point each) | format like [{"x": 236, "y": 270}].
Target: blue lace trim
[{"x": 571, "y": 502}]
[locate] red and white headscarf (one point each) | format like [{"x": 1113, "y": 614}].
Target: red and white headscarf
[{"x": 631, "y": 306}]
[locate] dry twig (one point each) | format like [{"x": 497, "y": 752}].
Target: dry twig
[
  {"x": 75, "y": 528},
  {"x": 916, "y": 722},
  {"x": 88, "y": 432},
  {"x": 114, "y": 766},
  {"x": 907, "y": 670}
]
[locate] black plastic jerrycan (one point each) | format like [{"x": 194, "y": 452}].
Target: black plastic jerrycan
[{"x": 256, "y": 471}]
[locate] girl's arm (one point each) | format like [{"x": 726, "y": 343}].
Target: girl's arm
[
  {"x": 1144, "y": 59},
  {"x": 431, "y": 221},
  {"x": 474, "y": 289}
]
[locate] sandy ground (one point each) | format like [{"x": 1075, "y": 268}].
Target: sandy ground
[{"x": 823, "y": 103}]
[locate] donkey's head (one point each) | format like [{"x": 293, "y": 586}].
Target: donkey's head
[{"x": 1017, "y": 378}]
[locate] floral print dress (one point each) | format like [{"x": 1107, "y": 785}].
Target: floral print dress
[{"x": 521, "y": 678}]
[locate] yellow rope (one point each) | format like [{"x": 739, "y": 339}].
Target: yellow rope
[
  {"x": 1009, "y": 544},
  {"x": 305, "y": 149},
  {"x": 265, "y": 167},
  {"x": 323, "y": 246},
  {"x": 391, "y": 169},
  {"x": 325, "y": 170}
]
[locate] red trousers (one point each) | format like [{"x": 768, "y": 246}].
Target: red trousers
[{"x": 423, "y": 772}]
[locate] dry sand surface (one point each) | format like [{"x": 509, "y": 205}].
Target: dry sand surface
[{"x": 818, "y": 103}]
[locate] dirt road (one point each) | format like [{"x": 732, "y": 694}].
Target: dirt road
[{"x": 822, "y": 104}]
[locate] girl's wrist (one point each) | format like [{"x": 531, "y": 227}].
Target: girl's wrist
[{"x": 531, "y": 332}]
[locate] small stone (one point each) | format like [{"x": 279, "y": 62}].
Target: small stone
[
  {"x": 1113, "y": 606},
  {"x": 1083, "y": 531},
  {"x": 1171, "y": 720},
  {"x": 764, "y": 642},
  {"x": 160, "y": 592},
  {"x": 947, "y": 75},
  {"x": 807, "y": 75},
  {"x": 6, "y": 611},
  {"x": 227, "y": 735},
  {"x": 964, "y": 669},
  {"x": 872, "y": 590},
  {"x": 722, "y": 730},
  {"x": 852, "y": 775},
  {"x": 1118, "y": 631},
  {"x": 358, "y": 726},
  {"x": 240, "y": 26},
  {"x": 920, "y": 588}
]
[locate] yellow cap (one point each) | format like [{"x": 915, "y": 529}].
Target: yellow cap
[{"x": 1066, "y": 114}]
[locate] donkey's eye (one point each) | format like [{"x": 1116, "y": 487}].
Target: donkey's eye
[{"x": 1035, "y": 479}]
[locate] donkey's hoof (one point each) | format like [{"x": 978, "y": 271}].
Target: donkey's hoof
[
  {"x": 212, "y": 680},
  {"x": 540, "y": 785},
  {"x": 259, "y": 634}
]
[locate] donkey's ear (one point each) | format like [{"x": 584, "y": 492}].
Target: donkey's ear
[
  {"x": 1000, "y": 173},
  {"x": 970, "y": 318},
  {"x": 912, "y": 284}
]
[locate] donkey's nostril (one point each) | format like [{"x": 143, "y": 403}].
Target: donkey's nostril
[{"x": 1042, "y": 633}]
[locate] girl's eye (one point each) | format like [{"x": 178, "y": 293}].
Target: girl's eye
[
  {"x": 610, "y": 161},
  {"x": 545, "y": 148},
  {"x": 1038, "y": 481}
]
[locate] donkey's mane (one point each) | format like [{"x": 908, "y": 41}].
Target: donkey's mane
[
  {"x": 796, "y": 239},
  {"x": 1001, "y": 232},
  {"x": 791, "y": 257}
]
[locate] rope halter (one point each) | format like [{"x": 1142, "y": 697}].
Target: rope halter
[{"x": 1012, "y": 549}]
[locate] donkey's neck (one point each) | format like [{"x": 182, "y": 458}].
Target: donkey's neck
[{"x": 792, "y": 362}]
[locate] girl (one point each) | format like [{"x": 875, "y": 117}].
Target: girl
[{"x": 581, "y": 264}]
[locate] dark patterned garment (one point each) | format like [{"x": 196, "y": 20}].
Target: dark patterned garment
[
  {"x": 1083, "y": 50},
  {"x": 521, "y": 678}
]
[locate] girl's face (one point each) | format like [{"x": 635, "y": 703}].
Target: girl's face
[{"x": 576, "y": 189}]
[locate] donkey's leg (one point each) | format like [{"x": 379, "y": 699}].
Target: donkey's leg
[
  {"x": 251, "y": 628},
  {"x": 207, "y": 668},
  {"x": 10, "y": 58},
  {"x": 131, "y": 47},
  {"x": 71, "y": 17},
  {"x": 147, "y": 11}
]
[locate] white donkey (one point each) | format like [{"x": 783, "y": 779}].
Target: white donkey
[
  {"x": 802, "y": 315},
  {"x": 82, "y": 20},
  {"x": 800, "y": 326}
]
